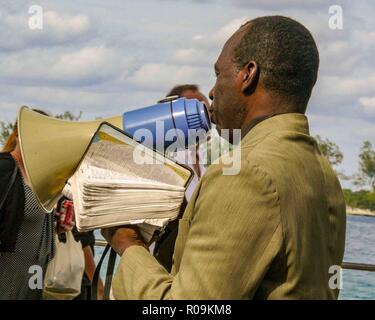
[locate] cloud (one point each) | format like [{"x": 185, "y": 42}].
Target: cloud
[
  {"x": 104, "y": 57},
  {"x": 103, "y": 101},
  {"x": 266, "y": 4},
  {"x": 368, "y": 104},
  {"x": 86, "y": 66},
  {"x": 58, "y": 29},
  {"x": 159, "y": 76},
  {"x": 66, "y": 24},
  {"x": 206, "y": 46},
  {"x": 345, "y": 86},
  {"x": 219, "y": 37},
  {"x": 195, "y": 57},
  {"x": 277, "y": 5}
]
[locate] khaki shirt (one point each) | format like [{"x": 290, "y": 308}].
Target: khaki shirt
[{"x": 270, "y": 232}]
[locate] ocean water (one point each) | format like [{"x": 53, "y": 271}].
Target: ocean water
[{"x": 359, "y": 248}]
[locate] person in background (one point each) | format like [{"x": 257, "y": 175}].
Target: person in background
[
  {"x": 164, "y": 246},
  {"x": 87, "y": 240},
  {"x": 191, "y": 156},
  {"x": 26, "y": 230}
]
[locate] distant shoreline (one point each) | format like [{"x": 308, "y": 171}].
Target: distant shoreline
[{"x": 359, "y": 212}]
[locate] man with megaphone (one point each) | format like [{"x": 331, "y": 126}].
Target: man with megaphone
[{"x": 273, "y": 230}]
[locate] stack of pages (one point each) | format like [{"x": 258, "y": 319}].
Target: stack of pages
[{"x": 121, "y": 182}]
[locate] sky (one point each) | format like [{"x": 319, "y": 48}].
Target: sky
[{"x": 106, "y": 57}]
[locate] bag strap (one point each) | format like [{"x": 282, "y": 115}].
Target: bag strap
[
  {"x": 109, "y": 275},
  {"x": 95, "y": 280},
  {"x": 10, "y": 185}
]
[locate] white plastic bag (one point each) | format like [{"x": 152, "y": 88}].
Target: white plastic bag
[{"x": 64, "y": 273}]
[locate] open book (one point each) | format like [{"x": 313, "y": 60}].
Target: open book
[{"x": 120, "y": 182}]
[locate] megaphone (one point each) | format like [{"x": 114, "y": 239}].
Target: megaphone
[{"x": 52, "y": 148}]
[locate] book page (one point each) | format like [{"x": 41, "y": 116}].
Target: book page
[
  {"x": 110, "y": 189},
  {"x": 121, "y": 166}
]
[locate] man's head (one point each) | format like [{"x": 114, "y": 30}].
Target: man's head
[
  {"x": 189, "y": 91},
  {"x": 268, "y": 66}
]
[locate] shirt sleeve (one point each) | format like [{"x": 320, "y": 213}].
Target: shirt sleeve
[{"x": 229, "y": 243}]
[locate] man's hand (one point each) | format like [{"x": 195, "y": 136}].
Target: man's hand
[
  {"x": 121, "y": 238},
  {"x": 61, "y": 227},
  {"x": 65, "y": 216}
]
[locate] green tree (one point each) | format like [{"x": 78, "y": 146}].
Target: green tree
[
  {"x": 67, "y": 115},
  {"x": 6, "y": 129},
  {"x": 366, "y": 175},
  {"x": 333, "y": 154},
  {"x": 330, "y": 150},
  {"x": 363, "y": 199}
]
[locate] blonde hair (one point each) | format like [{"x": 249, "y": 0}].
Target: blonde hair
[{"x": 11, "y": 142}]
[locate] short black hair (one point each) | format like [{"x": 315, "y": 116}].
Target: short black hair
[
  {"x": 286, "y": 54},
  {"x": 181, "y": 88}
]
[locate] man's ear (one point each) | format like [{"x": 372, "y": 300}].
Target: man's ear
[{"x": 250, "y": 77}]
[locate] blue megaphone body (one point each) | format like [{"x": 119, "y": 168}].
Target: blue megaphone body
[{"x": 168, "y": 122}]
